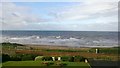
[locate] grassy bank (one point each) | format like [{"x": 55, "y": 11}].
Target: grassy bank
[
  {"x": 104, "y": 53},
  {"x": 40, "y": 64}
]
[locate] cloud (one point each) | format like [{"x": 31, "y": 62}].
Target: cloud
[
  {"x": 84, "y": 15},
  {"x": 14, "y": 16},
  {"x": 57, "y": 0},
  {"x": 103, "y": 15},
  {"x": 85, "y": 10}
]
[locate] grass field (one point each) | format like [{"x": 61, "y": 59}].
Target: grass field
[
  {"x": 104, "y": 53},
  {"x": 9, "y": 64}
]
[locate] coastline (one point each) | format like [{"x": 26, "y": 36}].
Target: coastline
[{"x": 83, "y": 46}]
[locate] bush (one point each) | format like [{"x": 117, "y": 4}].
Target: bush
[
  {"x": 11, "y": 44},
  {"x": 47, "y": 58},
  {"x": 23, "y": 57},
  {"x": 28, "y": 57},
  {"x": 65, "y": 58},
  {"x": 71, "y": 59},
  {"x": 62, "y": 64},
  {"x": 5, "y": 57},
  {"x": 16, "y": 58},
  {"x": 56, "y": 58},
  {"x": 79, "y": 58}
]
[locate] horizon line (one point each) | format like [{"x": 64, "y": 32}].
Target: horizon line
[{"x": 63, "y": 30}]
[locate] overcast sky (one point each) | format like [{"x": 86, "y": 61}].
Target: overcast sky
[{"x": 85, "y": 15}]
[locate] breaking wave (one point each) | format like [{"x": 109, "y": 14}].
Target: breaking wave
[{"x": 59, "y": 40}]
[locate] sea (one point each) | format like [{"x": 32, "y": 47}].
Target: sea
[{"x": 61, "y": 38}]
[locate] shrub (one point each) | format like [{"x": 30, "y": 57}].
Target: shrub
[
  {"x": 27, "y": 57},
  {"x": 68, "y": 58},
  {"x": 56, "y": 58},
  {"x": 16, "y": 58},
  {"x": 47, "y": 58},
  {"x": 71, "y": 59},
  {"x": 5, "y": 57},
  {"x": 65, "y": 58},
  {"x": 19, "y": 57},
  {"x": 79, "y": 58},
  {"x": 62, "y": 64},
  {"x": 11, "y": 44}
]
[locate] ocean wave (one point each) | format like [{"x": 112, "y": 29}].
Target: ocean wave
[{"x": 59, "y": 40}]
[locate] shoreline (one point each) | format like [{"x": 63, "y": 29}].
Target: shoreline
[
  {"x": 67, "y": 46},
  {"x": 47, "y": 45}
]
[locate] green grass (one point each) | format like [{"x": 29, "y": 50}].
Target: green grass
[
  {"x": 76, "y": 63},
  {"x": 115, "y": 50},
  {"x": 11, "y": 46},
  {"x": 39, "y": 63},
  {"x": 22, "y": 63}
]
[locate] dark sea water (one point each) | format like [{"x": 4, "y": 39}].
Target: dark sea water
[{"x": 63, "y": 38}]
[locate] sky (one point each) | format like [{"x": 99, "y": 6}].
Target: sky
[{"x": 85, "y": 15}]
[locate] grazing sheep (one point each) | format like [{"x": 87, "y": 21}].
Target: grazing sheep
[
  {"x": 59, "y": 58},
  {"x": 86, "y": 61},
  {"x": 53, "y": 58}
]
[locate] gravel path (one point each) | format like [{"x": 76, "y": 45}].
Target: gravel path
[{"x": 104, "y": 64}]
